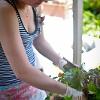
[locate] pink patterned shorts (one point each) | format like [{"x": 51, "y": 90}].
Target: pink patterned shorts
[{"x": 23, "y": 92}]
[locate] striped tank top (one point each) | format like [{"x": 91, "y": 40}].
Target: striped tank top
[{"x": 7, "y": 77}]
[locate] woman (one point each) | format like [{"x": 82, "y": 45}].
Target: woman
[{"x": 19, "y": 77}]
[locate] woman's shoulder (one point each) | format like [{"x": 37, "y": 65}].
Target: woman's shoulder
[
  {"x": 7, "y": 14},
  {"x": 5, "y": 6}
]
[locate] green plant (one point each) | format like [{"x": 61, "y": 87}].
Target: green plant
[
  {"x": 78, "y": 78},
  {"x": 91, "y": 17}
]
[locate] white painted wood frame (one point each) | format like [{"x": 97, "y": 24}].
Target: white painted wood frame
[{"x": 77, "y": 30}]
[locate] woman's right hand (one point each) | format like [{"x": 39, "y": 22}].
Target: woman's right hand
[{"x": 76, "y": 95}]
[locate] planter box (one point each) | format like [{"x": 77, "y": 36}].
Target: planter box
[{"x": 54, "y": 9}]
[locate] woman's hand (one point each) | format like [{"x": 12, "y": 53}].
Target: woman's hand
[
  {"x": 64, "y": 64},
  {"x": 76, "y": 95}
]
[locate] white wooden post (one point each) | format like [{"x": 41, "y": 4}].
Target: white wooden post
[{"x": 77, "y": 31}]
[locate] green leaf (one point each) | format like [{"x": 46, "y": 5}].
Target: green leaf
[
  {"x": 92, "y": 87},
  {"x": 67, "y": 97},
  {"x": 98, "y": 94}
]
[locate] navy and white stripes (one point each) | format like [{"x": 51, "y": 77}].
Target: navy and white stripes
[{"x": 7, "y": 77}]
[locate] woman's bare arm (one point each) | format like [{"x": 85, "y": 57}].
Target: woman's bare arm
[
  {"x": 46, "y": 49},
  {"x": 14, "y": 50}
]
